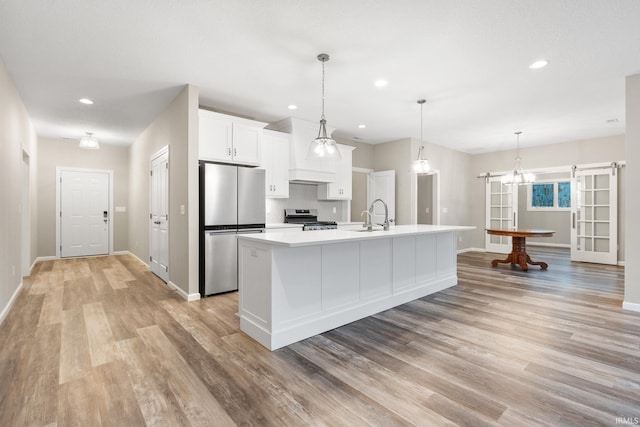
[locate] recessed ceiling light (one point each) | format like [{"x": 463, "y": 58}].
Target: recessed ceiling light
[
  {"x": 86, "y": 101},
  {"x": 362, "y": 126},
  {"x": 292, "y": 107},
  {"x": 380, "y": 83},
  {"x": 539, "y": 64}
]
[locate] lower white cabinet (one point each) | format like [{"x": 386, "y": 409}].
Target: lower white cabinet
[
  {"x": 341, "y": 188},
  {"x": 275, "y": 160}
]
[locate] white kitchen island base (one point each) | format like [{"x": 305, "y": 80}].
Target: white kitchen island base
[{"x": 296, "y": 285}]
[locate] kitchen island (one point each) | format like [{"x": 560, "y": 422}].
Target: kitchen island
[{"x": 294, "y": 285}]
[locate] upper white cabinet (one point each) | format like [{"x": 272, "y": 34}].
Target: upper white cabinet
[
  {"x": 301, "y": 168},
  {"x": 340, "y": 189},
  {"x": 275, "y": 160},
  {"x": 229, "y": 139}
]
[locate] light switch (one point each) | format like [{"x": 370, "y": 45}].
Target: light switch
[
  {"x": 334, "y": 209},
  {"x": 121, "y": 208},
  {"x": 426, "y": 210},
  {"x": 445, "y": 210}
]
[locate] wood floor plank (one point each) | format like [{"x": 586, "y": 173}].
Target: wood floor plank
[
  {"x": 157, "y": 403},
  {"x": 40, "y": 403},
  {"x": 197, "y": 404},
  {"x": 75, "y": 360},
  {"x": 102, "y": 347},
  {"x": 81, "y": 402},
  {"x": 51, "y": 313}
]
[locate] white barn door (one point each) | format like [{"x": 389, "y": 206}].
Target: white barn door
[
  {"x": 594, "y": 215},
  {"x": 84, "y": 213},
  {"x": 501, "y": 213},
  {"x": 159, "y": 215}
]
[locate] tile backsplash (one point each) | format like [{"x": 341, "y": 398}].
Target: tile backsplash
[{"x": 305, "y": 196}]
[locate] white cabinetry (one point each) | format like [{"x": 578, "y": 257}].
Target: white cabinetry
[
  {"x": 341, "y": 188},
  {"x": 301, "y": 168},
  {"x": 229, "y": 139},
  {"x": 275, "y": 160}
]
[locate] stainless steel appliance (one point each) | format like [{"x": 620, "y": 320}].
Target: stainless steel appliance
[
  {"x": 309, "y": 219},
  {"x": 232, "y": 202}
]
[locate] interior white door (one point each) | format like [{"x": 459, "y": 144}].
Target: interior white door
[
  {"x": 382, "y": 185},
  {"x": 84, "y": 213},
  {"x": 594, "y": 214},
  {"x": 159, "y": 216},
  {"x": 501, "y": 212}
]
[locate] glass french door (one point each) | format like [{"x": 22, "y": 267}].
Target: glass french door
[
  {"x": 501, "y": 212},
  {"x": 594, "y": 214}
]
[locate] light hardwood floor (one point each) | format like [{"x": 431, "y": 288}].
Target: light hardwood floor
[{"x": 101, "y": 341}]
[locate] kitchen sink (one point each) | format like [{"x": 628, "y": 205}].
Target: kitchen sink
[{"x": 369, "y": 231}]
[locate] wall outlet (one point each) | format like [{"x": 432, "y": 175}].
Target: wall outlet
[
  {"x": 182, "y": 210},
  {"x": 334, "y": 209},
  {"x": 459, "y": 238},
  {"x": 14, "y": 270}
]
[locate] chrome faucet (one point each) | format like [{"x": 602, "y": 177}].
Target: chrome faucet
[{"x": 386, "y": 213}]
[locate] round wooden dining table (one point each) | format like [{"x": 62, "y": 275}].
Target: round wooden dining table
[{"x": 518, "y": 253}]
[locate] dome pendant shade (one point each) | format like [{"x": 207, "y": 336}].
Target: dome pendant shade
[
  {"x": 89, "y": 142},
  {"x": 323, "y": 147}
]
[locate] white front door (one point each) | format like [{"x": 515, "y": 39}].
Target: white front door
[
  {"x": 84, "y": 213},
  {"x": 594, "y": 214},
  {"x": 501, "y": 213},
  {"x": 159, "y": 215},
  {"x": 382, "y": 185}
]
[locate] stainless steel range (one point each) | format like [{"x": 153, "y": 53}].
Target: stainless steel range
[{"x": 309, "y": 219}]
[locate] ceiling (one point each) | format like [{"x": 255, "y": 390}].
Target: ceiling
[{"x": 468, "y": 58}]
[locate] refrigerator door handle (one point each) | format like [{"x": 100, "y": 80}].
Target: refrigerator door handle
[{"x": 251, "y": 231}]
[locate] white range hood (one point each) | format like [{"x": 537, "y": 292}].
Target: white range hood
[{"x": 302, "y": 169}]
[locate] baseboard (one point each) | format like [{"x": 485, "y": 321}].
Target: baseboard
[
  {"x": 182, "y": 293},
  {"x": 631, "y": 306},
  {"x": 465, "y": 250},
  {"x": 44, "y": 258},
  {"x": 121, "y": 253},
  {"x": 461, "y": 251},
  {"x": 6, "y": 309},
  {"x": 550, "y": 245}
]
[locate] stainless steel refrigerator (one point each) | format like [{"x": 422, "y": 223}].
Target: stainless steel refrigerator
[{"x": 232, "y": 202}]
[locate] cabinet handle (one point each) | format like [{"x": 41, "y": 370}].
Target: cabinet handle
[
  {"x": 235, "y": 152},
  {"x": 228, "y": 151}
]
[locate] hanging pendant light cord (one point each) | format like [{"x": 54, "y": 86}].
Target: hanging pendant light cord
[{"x": 322, "y": 116}]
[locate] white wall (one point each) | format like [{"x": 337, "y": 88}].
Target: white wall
[
  {"x": 17, "y": 137},
  {"x": 177, "y": 128},
  {"x": 63, "y": 153},
  {"x": 632, "y": 148}
]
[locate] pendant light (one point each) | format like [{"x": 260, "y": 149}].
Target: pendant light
[
  {"x": 89, "y": 142},
  {"x": 323, "y": 147},
  {"x": 517, "y": 175},
  {"x": 421, "y": 165}
]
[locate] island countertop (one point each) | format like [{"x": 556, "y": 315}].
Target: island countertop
[{"x": 320, "y": 237}]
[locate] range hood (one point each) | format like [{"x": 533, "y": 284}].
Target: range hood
[{"x": 301, "y": 169}]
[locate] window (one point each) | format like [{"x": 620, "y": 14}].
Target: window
[{"x": 549, "y": 195}]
